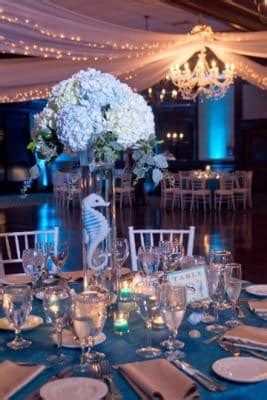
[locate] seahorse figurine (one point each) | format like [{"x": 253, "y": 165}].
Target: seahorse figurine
[{"x": 95, "y": 228}]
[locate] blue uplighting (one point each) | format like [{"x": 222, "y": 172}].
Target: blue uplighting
[
  {"x": 43, "y": 172},
  {"x": 217, "y": 126},
  {"x": 47, "y": 217}
]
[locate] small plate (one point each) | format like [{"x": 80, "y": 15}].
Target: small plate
[
  {"x": 241, "y": 369},
  {"x": 74, "y": 388},
  {"x": 70, "y": 342},
  {"x": 16, "y": 279},
  {"x": 257, "y": 290},
  {"x": 32, "y": 322}
]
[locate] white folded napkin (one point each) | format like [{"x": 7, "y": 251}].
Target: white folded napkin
[
  {"x": 248, "y": 335},
  {"x": 13, "y": 377},
  {"x": 159, "y": 379}
]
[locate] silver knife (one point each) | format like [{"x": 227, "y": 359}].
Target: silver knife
[{"x": 201, "y": 378}]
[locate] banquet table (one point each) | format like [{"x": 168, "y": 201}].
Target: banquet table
[{"x": 121, "y": 349}]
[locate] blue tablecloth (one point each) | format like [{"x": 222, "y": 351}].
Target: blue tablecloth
[{"x": 121, "y": 349}]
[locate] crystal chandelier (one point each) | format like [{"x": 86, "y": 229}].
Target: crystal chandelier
[
  {"x": 204, "y": 79},
  {"x": 262, "y": 10}
]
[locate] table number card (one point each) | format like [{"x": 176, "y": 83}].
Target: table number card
[{"x": 195, "y": 280}]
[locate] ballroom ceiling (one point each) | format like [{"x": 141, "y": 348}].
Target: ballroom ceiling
[
  {"x": 163, "y": 17},
  {"x": 237, "y": 14},
  {"x": 172, "y": 16}
]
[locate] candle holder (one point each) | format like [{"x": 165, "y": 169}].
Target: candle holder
[
  {"x": 120, "y": 322},
  {"x": 126, "y": 293},
  {"x": 158, "y": 322}
]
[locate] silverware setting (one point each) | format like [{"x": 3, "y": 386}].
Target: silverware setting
[
  {"x": 214, "y": 338},
  {"x": 236, "y": 348},
  {"x": 205, "y": 380}
]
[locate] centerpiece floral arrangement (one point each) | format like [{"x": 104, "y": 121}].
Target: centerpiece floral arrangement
[{"x": 95, "y": 110}]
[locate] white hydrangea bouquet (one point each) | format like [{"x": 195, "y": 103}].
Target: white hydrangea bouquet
[{"x": 95, "y": 110}]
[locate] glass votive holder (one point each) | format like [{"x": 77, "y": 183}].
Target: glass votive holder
[
  {"x": 120, "y": 322},
  {"x": 126, "y": 292},
  {"x": 158, "y": 322}
]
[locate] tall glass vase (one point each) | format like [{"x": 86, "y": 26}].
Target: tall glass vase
[{"x": 98, "y": 178}]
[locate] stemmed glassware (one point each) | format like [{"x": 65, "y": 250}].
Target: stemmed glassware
[
  {"x": 172, "y": 308},
  {"x": 121, "y": 249},
  {"x": 218, "y": 259},
  {"x": 214, "y": 276},
  {"x": 57, "y": 307},
  {"x": 33, "y": 262},
  {"x": 58, "y": 253},
  {"x": 165, "y": 247},
  {"x": 149, "y": 260},
  {"x": 233, "y": 284},
  {"x": 146, "y": 299},
  {"x": 100, "y": 263},
  {"x": 17, "y": 305},
  {"x": 88, "y": 317},
  {"x": 172, "y": 252}
]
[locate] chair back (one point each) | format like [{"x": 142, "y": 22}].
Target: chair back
[
  {"x": 227, "y": 182},
  {"x": 143, "y": 237},
  {"x": 242, "y": 179},
  {"x": 59, "y": 179},
  {"x": 12, "y": 244},
  {"x": 126, "y": 180},
  {"x": 198, "y": 184}
]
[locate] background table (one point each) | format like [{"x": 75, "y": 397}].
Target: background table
[{"x": 121, "y": 349}]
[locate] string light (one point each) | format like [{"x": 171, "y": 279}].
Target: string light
[{"x": 28, "y": 23}]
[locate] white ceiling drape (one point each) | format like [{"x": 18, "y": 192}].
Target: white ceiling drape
[{"x": 64, "y": 42}]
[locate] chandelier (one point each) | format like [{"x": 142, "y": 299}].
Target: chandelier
[
  {"x": 204, "y": 79},
  {"x": 262, "y": 10}
]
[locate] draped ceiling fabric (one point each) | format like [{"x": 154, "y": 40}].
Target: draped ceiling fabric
[{"x": 63, "y": 42}]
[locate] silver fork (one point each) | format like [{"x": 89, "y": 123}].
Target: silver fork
[{"x": 107, "y": 376}]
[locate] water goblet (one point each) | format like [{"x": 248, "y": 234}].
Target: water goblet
[
  {"x": 165, "y": 247},
  {"x": 214, "y": 276},
  {"x": 57, "y": 304},
  {"x": 233, "y": 284},
  {"x": 17, "y": 305},
  {"x": 145, "y": 296},
  {"x": 219, "y": 258},
  {"x": 100, "y": 266},
  {"x": 88, "y": 317},
  {"x": 149, "y": 259},
  {"x": 177, "y": 253},
  {"x": 33, "y": 264},
  {"x": 121, "y": 249},
  {"x": 58, "y": 254},
  {"x": 173, "y": 307}
]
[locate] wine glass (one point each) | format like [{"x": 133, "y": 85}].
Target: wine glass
[
  {"x": 220, "y": 258},
  {"x": 165, "y": 247},
  {"x": 145, "y": 296},
  {"x": 88, "y": 318},
  {"x": 121, "y": 250},
  {"x": 58, "y": 253},
  {"x": 57, "y": 307},
  {"x": 17, "y": 305},
  {"x": 233, "y": 284},
  {"x": 149, "y": 259},
  {"x": 121, "y": 254},
  {"x": 100, "y": 265},
  {"x": 177, "y": 253},
  {"x": 33, "y": 264},
  {"x": 173, "y": 307},
  {"x": 214, "y": 276}
]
